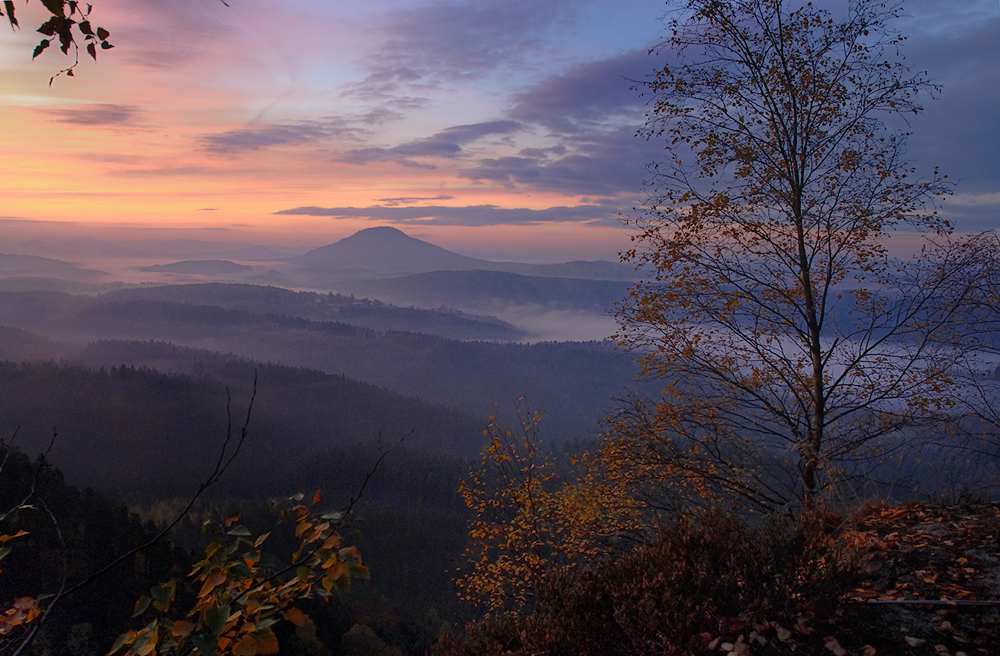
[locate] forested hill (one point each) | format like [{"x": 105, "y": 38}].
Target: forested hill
[
  {"x": 143, "y": 434},
  {"x": 573, "y": 383},
  {"x": 261, "y": 299}
]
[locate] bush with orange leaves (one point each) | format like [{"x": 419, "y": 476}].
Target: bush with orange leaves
[{"x": 529, "y": 524}]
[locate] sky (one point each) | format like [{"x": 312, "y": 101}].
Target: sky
[{"x": 502, "y": 129}]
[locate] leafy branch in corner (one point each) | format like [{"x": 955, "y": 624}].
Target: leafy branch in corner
[
  {"x": 242, "y": 591},
  {"x": 69, "y": 27},
  {"x": 29, "y": 612}
]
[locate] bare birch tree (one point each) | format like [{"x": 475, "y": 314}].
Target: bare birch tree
[{"x": 792, "y": 344}]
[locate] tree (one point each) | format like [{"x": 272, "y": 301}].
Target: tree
[
  {"x": 529, "y": 525},
  {"x": 69, "y": 24},
  {"x": 794, "y": 347}
]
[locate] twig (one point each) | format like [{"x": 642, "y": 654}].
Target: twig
[
  {"x": 343, "y": 516},
  {"x": 221, "y": 465}
]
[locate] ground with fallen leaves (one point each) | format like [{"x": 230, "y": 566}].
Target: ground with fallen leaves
[{"x": 928, "y": 582}]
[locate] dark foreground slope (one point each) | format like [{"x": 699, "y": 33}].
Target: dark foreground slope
[{"x": 143, "y": 434}]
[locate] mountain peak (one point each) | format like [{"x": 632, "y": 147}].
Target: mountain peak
[
  {"x": 386, "y": 250},
  {"x": 380, "y": 235},
  {"x": 379, "y": 230}
]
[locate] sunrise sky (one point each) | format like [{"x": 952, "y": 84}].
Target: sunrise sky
[{"x": 498, "y": 128}]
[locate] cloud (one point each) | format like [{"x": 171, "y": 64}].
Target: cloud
[
  {"x": 256, "y": 138},
  {"x": 589, "y": 95},
  {"x": 407, "y": 200},
  {"x": 97, "y": 115},
  {"x": 603, "y": 163},
  {"x": 427, "y": 46},
  {"x": 965, "y": 111},
  {"x": 473, "y": 215},
  {"x": 590, "y": 114},
  {"x": 247, "y": 139},
  {"x": 447, "y": 143}
]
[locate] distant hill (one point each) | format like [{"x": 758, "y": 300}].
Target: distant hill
[
  {"x": 32, "y": 266},
  {"x": 201, "y": 267},
  {"x": 326, "y": 307},
  {"x": 388, "y": 252},
  {"x": 382, "y": 251},
  {"x": 489, "y": 290},
  {"x": 19, "y": 345}
]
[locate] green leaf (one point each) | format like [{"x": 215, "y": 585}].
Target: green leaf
[
  {"x": 204, "y": 644},
  {"x": 239, "y": 531},
  {"x": 119, "y": 643},
  {"x": 303, "y": 573},
  {"x": 141, "y": 605},
  {"x": 163, "y": 594},
  {"x": 215, "y": 618},
  {"x": 240, "y": 570},
  {"x": 4, "y": 551},
  {"x": 266, "y": 622}
]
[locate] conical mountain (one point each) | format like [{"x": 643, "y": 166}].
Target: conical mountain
[{"x": 386, "y": 250}]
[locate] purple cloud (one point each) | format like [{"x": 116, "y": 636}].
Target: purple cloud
[
  {"x": 597, "y": 163},
  {"x": 427, "y": 46},
  {"x": 408, "y": 200},
  {"x": 233, "y": 141},
  {"x": 588, "y": 95},
  {"x": 447, "y": 143},
  {"x": 100, "y": 115},
  {"x": 474, "y": 215}
]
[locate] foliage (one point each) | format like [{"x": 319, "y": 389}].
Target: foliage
[
  {"x": 706, "y": 581},
  {"x": 242, "y": 592},
  {"x": 52, "y": 536},
  {"x": 69, "y": 25},
  {"x": 794, "y": 349},
  {"x": 529, "y": 524},
  {"x": 31, "y": 613},
  {"x": 884, "y": 580}
]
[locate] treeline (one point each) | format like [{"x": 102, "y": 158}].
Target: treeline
[
  {"x": 71, "y": 534},
  {"x": 363, "y": 312},
  {"x": 143, "y": 434}
]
